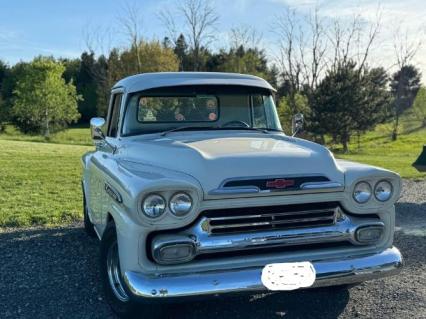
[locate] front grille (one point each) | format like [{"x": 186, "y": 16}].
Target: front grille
[{"x": 252, "y": 219}]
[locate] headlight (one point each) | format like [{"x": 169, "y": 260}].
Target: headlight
[
  {"x": 180, "y": 204},
  {"x": 383, "y": 191},
  {"x": 153, "y": 205},
  {"x": 362, "y": 192}
]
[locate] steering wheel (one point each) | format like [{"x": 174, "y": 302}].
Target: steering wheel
[{"x": 239, "y": 123}]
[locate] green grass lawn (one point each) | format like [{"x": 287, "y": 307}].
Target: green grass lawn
[
  {"x": 376, "y": 148},
  {"x": 39, "y": 183},
  {"x": 397, "y": 156},
  {"x": 74, "y": 135}
]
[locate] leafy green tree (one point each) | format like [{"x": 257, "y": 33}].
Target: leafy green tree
[
  {"x": 241, "y": 60},
  {"x": 404, "y": 86},
  {"x": 347, "y": 102},
  {"x": 152, "y": 55},
  {"x": 4, "y": 114},
  {"x": 8, "y": 85},
  {"x": 87, "y": 86},
  {"x": 419, "y": 106},
  {"x": 43, "y": 101}
]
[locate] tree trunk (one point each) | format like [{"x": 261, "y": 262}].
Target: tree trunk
[
  {"x": 359, "y": 140},
  {"x": 345, "y": 147},
  {"x": 395, "y": 128},
  {"x": 344, "y": 140},
  {"x": 46, "y": 128}
]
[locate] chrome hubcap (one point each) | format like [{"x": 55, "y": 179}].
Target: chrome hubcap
[{"x": 114, "y": 273}]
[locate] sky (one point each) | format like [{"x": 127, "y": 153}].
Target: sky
[{"x": 29, "y": 28}]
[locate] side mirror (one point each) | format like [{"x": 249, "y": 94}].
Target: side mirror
[
  {"x": 297, "y": 123},
  {"x": 96, "y": 125},
  {"x": 98, "y": 135}
]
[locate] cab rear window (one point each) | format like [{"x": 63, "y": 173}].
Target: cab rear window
[{"x": 166, "y": 109}]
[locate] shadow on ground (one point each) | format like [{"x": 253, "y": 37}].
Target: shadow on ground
[{"x": 53, "y": 273}]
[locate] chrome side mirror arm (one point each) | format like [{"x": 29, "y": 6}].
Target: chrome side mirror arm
[
  {"x": 96, "y": 125},
  {"x": 297, "y": 124}
]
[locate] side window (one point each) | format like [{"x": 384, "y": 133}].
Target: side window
[
  {"x": 114, "y": 115},
  {"x": 259, "y": 114}
]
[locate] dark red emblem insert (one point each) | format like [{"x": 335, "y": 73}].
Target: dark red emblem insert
[{"x": 280, "y": 183}]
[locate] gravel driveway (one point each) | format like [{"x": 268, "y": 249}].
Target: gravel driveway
[{"x": 53, "y": 273}]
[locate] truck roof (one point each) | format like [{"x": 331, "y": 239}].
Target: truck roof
[{"x": 146, "y": 81}]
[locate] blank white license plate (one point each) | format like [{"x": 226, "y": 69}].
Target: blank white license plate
[{"x": 288, "y": 276}]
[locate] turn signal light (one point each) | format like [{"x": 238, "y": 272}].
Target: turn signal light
[
  {"x": 173, "y": 252},
  {"x": 369, "y": 234}
]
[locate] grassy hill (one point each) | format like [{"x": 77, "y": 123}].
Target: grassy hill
[
  {"x": 376, "y": 148},
  {"x": 40, "y": 180}
]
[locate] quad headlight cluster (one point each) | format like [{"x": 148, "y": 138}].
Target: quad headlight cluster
[
  {"x": 363, "y": 191},
  {"x": 154, "y": 205}
]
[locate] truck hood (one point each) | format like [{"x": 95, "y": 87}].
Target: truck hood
[{"x": 214, "y": 158}]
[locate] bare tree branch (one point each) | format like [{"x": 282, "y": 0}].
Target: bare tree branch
[
  {"x": 131, "y": 21},
  {"x": 199, "y": 22},
  {"x": 245, "y": 36},
  {"x": 405, "y": 49}
]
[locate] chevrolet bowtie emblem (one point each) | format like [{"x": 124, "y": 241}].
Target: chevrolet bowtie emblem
[{"x": 280, "y": 183}]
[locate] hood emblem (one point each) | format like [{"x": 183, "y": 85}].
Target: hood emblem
[{"x": 280, "y": 183}]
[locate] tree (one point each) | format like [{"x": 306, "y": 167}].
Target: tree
[
  {"x": 199, "y": 21},
  {"x": 347, "y": 102},
  {"x": 181, "y": 51},
  {"x": 309, "y": 45},
  {"x": 107, "y": 70},
  {"x": 131, "y": 22},
  {"x": 87, "y": 86},
  {"x": 406, "y": 81},
  {"x": 241, "y": 60},
  {"x": 7, "y": 87},
  {"x": 419, "y": 106},
  {"x": 43, "y": 101},
  {"x": 4, "y": 114},
  {"x": 404, "y": 86}
]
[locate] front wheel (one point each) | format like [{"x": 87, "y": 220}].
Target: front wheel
[{"x": 115, "y": 291}]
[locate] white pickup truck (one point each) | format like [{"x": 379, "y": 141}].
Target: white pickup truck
[{"x": 194, "y": 190}]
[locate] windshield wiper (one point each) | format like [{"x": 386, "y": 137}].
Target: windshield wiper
[
  {"x": 265, "y": 130},
  {"x": 271, "y": 129},
  {"x": 188, "y": 128},
  {"x": 237, "y": 128}
]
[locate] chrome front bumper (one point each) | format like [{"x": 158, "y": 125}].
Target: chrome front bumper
[{"x": 329, "y": 273}]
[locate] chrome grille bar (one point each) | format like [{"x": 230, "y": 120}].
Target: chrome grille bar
[{"x": 273, "y": 220}]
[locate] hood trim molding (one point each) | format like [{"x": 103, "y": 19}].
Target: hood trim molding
[{"x": 310, "y": 187}]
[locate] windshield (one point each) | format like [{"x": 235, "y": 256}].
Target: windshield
[{"x": 200, "y": 107}]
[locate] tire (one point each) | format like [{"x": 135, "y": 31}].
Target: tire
[
  {"x": 116, "y": 293},
  {"x": 88, "y": 226}
]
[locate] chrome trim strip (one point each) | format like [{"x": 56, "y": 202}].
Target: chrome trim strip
[
  {"x": 280, "y": 222},
  {"x": 294, "y": 213},
  {"x": 321, "y": 185},
  {"x": 234, "y": 191},
  {"x": 329, "y": 272},
  {"x": 309, "y": 186}
]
